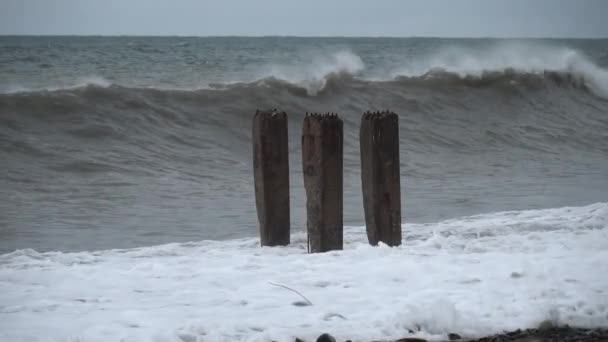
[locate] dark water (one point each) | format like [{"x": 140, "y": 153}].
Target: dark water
[{"x": 120, "y": 142}]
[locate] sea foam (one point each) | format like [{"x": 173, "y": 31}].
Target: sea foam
[{"x": 472, "y": 276}]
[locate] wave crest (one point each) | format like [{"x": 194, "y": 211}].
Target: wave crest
[
  {"x": 314, "y": 74},
  {"x": 82, "y": 82},
  {"x": 511, "y": 60}
]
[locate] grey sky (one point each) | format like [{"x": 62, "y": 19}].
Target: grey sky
[{"x": 445, "y": 18}]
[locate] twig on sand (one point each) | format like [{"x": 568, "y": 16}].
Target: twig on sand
[{"x": 290, "y": 289}]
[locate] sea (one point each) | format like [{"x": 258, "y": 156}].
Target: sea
[{"x": 122, "y": 142}]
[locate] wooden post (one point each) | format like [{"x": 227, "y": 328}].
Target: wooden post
[
  {"x": 380, "y": 177},
  {"x": 271, "y": 176},
  {"x": 322, "y": 138}
]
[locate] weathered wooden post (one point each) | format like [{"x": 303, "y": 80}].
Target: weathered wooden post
[
  {"x": 271, "y": 176},
  {"x": 322, "y": 138},
  {"x": 380, "y": 177}
]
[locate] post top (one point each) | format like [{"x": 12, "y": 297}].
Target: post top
[
  {"x": 270, "y": 113},
  {"x": 319, "y": 117},
  {"x": 379, "y": 115}
]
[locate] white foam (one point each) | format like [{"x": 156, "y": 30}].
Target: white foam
[
  {"x": 473, "y": 276},
  {"x": 313, "y": 73},
  {"x": 312, "y": 70},
  {"x": 521, "y": 57},
  {"x": 78, "y": 83}
]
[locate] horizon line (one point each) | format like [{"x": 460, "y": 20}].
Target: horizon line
[{"x": 294, "y": 36}]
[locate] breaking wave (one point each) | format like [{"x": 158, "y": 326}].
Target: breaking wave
[
  {"x": 501, "y": 64},
  {"x": 482, "y": 131}
]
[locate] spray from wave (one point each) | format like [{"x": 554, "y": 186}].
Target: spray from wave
[
  {"x": 78, "y": 83},
  {"x": 312, "y": 72},
  {"x": 509, "y": 59},
  {"x": 315, "y": 72}
]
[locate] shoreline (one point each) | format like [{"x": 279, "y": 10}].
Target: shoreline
[{"x": 546, "y": 332}]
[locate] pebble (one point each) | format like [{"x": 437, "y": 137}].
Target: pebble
[
  {"x": 326, "y": 338},
  {"x": 452, "y": 337}
]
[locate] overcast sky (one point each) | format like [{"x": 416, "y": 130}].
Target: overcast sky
[{"x": 444, "y": 18}]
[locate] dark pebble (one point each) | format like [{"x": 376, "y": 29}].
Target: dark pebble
[
  {"x": 545, "y": 325},
  {"x": 326, "y": 338},
  {"x": 453, "y": 336}
]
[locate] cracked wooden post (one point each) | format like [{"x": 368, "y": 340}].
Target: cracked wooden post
[
  {"x": 322, "y": 138},
  {"x": 271, "y": 176},
  {"x": 380, "y": 177}
]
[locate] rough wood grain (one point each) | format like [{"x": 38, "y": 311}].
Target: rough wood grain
[
  {"x": 271, "y": 176},
  {"x": 322, "y": 159},
  {"x": 380, "y": 177}
]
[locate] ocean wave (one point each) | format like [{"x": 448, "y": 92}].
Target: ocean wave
[
  {"x": 314, "y": 74},
  {"x": 79, "y": 83},
  {"x": 446, "y": 109},
  {"x": 502, "y": 64},
  {"x": 510, "y": 59},
  {"x": 441, "y": 111},
  {"x": 341, "y": 81},
  {"x": 505, "y": 62},
  {"x": 337, "y": 80}
]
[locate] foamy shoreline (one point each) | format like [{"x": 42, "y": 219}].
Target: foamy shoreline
[{"x": 474, "y": 275}]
